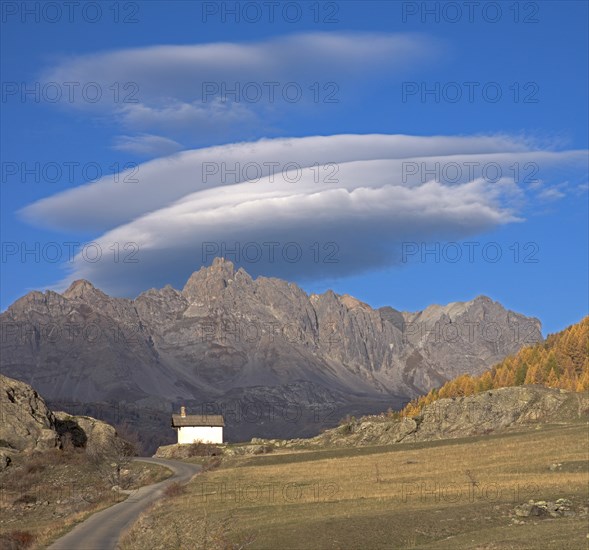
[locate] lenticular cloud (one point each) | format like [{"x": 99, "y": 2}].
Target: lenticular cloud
[
  {"x": 306, "y": 207},
  {"x": 158, "y": 183}
]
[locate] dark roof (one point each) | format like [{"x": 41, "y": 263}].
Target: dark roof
[{"x": 197, "y": 420}]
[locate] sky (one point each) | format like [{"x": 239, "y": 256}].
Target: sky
[{"x": 405, "y": 153}]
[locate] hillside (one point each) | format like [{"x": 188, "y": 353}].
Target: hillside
[
  {"x": 492, "y": 411},
  {"x": 561, "y": 361},
  {"x": 502, "y": 469},
  {"x": 56, "y": 469},
  {"x": 546, "y": 382},
  {"x": 276, "y": 361}
]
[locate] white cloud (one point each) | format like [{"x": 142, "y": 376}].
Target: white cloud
[
  {"x": 168, "y": 71},
  {"x": 214, "y": 119},
  {"x": 105, "y": 204},
  {"x": 553, "y": 193},
  {"x": 359, "y": 224},
  {"x": 357, "y": 210},
  {"x": 147, "y": 145},
  {"x": 188, "y": 88}
]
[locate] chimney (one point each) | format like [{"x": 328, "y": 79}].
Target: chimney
[{"x": 183, "y": 412}]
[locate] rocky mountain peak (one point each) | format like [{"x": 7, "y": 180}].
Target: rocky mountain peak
[
  {"x": 223, "y": 263},
  {"x": 82, "y": 289},
  {"x": 352, "y": 303},
  {"x": 209, "y": 282},
  {"x": 30, "y": 297},
  {"x": 242, "y": 274},
  {"x": 226, "y": 335},
  {"x": 36, "y": 301},
  {"x": 452, "y": 310}
]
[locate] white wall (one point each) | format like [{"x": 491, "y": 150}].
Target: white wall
[{"x": 207, "y": 434}]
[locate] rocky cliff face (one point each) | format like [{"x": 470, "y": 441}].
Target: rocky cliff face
[
  {"x": 26, "y": 421},
  {"x": 226, "y": 343},
  {"x": 27, "y": 424}
]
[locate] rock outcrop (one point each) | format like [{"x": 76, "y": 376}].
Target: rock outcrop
[
  {"x": 27, "y": 424},
  {"x": 541, "y": 508},
  {"x": 480, "y": 414}
]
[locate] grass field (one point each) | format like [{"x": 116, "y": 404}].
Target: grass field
[{"x": 446, "y": 494}]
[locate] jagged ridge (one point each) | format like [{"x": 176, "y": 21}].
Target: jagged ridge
[{"x": 227, "y": 336}]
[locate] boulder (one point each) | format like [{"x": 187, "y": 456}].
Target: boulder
[
  {"x": 26, "y": 423},
  {"x": 540, "y": 508},
  {"x": 527, "y": 510}
]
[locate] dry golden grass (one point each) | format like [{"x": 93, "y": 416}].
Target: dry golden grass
[
  {"x": 63, "y": 490},
  {"x": 446, "y": 494}
]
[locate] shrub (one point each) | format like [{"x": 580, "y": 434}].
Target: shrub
[
  {"x": 263, "y": 449},
  {"x": 35, "y": 465},
  {"x": 194, "y": 531},
  {"x": 346, "y": 424},
  {"x": 70, "y": 434},
  {"x": 26, "y": 499},
  {"x": 16, "y": 540},
  {"x": 347, "y": 420},
  {"x": 211, "y": 463},
  {"x": 199, "y": 448},
  {"x": 174, "y": 489}
]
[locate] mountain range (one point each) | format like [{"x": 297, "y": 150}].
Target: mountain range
[{"x": 274, "y": 360}]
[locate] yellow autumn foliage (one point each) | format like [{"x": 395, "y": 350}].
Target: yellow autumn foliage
[{"x": 560, "y": 361}]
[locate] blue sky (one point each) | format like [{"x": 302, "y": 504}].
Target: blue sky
[{"x": 362, "y": 69}]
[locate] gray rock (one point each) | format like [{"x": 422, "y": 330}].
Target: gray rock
[
  {"x": 29, "y": 425},
  {"x": 560, "y": 508},
  {"x": 226, "y": 338},
  {"x": 527, "y": 510},
  {"x": 481, "y": 413},
  {"x": 5, "y": 461}
]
